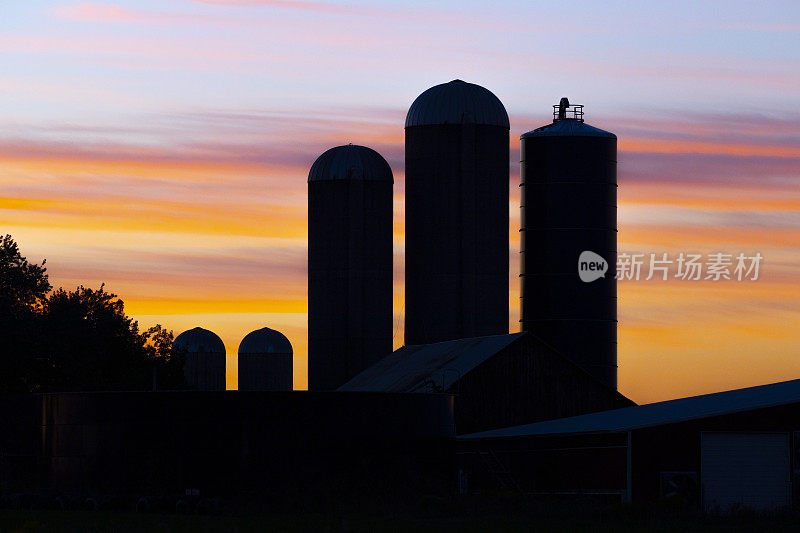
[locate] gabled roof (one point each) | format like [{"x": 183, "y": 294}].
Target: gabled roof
[
  {"x": 656, "y": 414},
  {"x": 428, "y": 367}
]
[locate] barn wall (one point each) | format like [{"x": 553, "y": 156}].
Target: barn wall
[
  {"x": 593, "y": 464},
  {"x": 225, "y": 444},
  {"x": 524, "y": 383},
  {"x": 597, "y": 463},
  {"x": 676, "y": 447}
]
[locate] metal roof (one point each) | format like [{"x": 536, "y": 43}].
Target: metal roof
[
  {"x": 350, "y": 162},
  {"x": 428, "y": 367},
  {"x": 264, "y": 341},
  {"x": 568, "y": 127},
  {"x": 199, "y": 340},
  {"x": 457, "y": 102},
  {"x": 657, "y": 414}
]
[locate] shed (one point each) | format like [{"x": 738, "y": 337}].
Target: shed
[
  {"x": 721, "y": 451},
  {"x": 498, "y": 380}
]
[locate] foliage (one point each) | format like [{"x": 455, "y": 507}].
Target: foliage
[
  {"x": 23, "y": 286},
  {"x": 77, "y": 340}
]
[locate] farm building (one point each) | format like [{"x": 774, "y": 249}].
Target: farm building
[
  {"x": 722, "y": 451},
  {"x": 498, "y": 380}
]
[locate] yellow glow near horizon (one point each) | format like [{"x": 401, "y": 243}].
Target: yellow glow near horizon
[{"x": 233, "y": 260}]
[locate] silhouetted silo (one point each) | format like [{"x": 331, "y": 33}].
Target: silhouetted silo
[
  {"x": 349, "y": 264},
  {"x": 456, "y": 195},
  {"x": 205, "y": 359},
  {"x": 265, "y": 361},
  {"x": 569, "y": 205}
]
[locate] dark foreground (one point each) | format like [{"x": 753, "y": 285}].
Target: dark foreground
[{"x": 499, "y": 513}]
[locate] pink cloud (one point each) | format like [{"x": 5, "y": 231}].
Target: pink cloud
[
  {"x": 304, "y": 5},
  {"x": 97, "y": 13}
]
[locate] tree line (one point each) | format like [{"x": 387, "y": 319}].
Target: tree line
[{"x": 78, "y": 340}]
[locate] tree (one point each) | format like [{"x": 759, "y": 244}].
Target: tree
[
  {"x": 23, "y": 286},
  {"x": 79, "y": 340},
  {"x": 167, "y": 362},
  {"x": 23, "y": 291}
]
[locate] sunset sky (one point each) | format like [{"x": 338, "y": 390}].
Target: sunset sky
[{"x": 163, "y": 148}]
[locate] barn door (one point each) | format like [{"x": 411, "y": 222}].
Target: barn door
[{"x": 745, "y": 470}]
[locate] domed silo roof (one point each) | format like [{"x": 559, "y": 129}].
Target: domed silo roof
[
  {"x": 350, "y": 162},
  {"x": 197, "y": 340},
  {"x": 265, "y": 340},
  {"x": 457, "y": 102}
]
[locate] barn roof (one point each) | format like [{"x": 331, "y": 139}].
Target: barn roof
[
  {"x": 428, "y": 367},
  {"x": 657, "y": 414}
]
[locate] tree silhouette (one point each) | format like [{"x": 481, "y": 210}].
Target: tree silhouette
[
  {"x": 23, "y": 286},
  {"x": 79, "y": 340}
]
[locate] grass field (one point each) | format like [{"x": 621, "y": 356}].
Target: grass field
[{"x": 463, "y": 515}]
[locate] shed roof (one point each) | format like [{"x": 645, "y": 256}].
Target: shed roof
[
  {"x": 657, "y": 414},
  {"x": 428, "y": 367}
]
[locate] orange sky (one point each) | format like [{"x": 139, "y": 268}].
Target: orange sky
[
  {"x": 193, "y": 240},
  {"x": 162, "y": 148}
]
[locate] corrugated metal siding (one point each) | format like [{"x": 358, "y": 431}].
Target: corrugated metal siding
[
  {"x": 265, "y": 372},
  {"x": 349, "y": 278},
  {"x": 456, "y": 233},
  {"x": 748, "y": 470},
  {"x": 569, "y": 205}
]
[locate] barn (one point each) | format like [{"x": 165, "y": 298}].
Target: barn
[
  {"x": 720, "y": 452},
  {"x": 497, "y": 380}
]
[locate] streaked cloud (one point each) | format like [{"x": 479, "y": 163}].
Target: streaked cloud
[
  {"x": 163, "y": 149},
  {"x": 96, "y": 13}
]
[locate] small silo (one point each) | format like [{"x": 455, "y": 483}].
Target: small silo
[
  {"x": 349, "y": 264},
  {"x": 456, "y": 196},
  {"x": 569, "y": 206},
  {"x": 265, "y": 361},
  {"x": 205, "y": 359}
]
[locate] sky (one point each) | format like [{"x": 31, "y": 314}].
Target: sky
[{"x": 162, "y": 148}]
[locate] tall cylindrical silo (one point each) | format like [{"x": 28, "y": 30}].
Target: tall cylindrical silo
[
  {"x": 265, "y": 361},
  {"x": 349, "y": 264},
  {"x": 205, "y": 359},
  {"x": 569, "y": 206},
  {"x": 456, "y": 196}
]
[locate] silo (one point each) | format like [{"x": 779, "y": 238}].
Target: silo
[
  {"x": 456, "y": 196},
  {"x": 349, "y": 264},
  {"x": 205, "y": 359},
  {"x": 569, "y": 206},
  {"x": 265, "y": 361}
]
